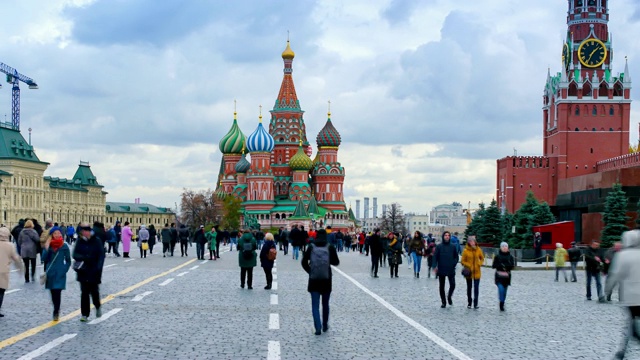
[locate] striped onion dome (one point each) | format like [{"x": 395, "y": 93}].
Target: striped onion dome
[
  {"x": 260, "y": 140},
  {"x": 243, "y": 165},
  {"x": 232, "y": 142},
  {"x": 328, "y": 136},
  {"x": 220, "y": 193},
  {"x": 300, "y": 161}
]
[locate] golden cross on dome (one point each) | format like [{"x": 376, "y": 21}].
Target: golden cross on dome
[
  {"x": 329, "y": 112},
  {"x": 235, "y": 111},
  {"x": 287, "y": 35},
  {"x": 260, "y": 117}
]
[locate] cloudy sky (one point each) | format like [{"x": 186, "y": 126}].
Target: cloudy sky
[{"x": 426, "y": 94}]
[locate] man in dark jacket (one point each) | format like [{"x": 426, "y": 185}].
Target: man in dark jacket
[
  {"x": 317, "y": 261},
  {"x": 200, "y": 240},
  {"x": 165, "y": 236},
  {"x": 445, "y": 259},
  {"x": 537, "y": 246},
  {"x": 174, "y": 237},
  {"x": 88, "y": 253},
  {"x": 375, "y": 247},
  {"x": 294, "y": 235},
  {"x": 574, "y": 257},
  {"x": 15, "y": 233},
  {"x": 183, "y": 235},
  {"x": 593, "y": 260}
]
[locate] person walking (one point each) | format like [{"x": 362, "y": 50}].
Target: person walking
[
  {"x": 560, "y": 258},
  {"x": 110, "y": 237},
  {"x": 395, "y": 254},
  {"x": 430, "y": 249},
  {"x": 174, "y": 237},
  {"x": 246, "y": 247},
  {"x": 285, "y": 237},
  {"x": 625, "y": 272},
  {"x": 317, "y": 261},
  {"x": 445, "y": 260},
  {"x": 57, "y": 261},
  {"x": 416, "y": 251},
  {"x": 574, "y": 257},
  {"x": 8, "y": 255},
  {"x": 88, "y": 255},
  {"x": 537, "y": 246},
  {"x": 183, "y": 235},
  {"x": 472, "y": 260},
  {"x": 143, "y": 241},
  {"x": 153, "y": 237},
  {"x": 503, "y": 263},
  {"x": 118, "y": 230},
  {"x": 211, "y": 240},
  {"x": 375, "y": 247},
  {"x": 295, "y": 241},
  {"x": 268, "y": 255},
  {"x": 71, "y": 231},
  {"x": 200, "y": 240},
  {"x": 593, "y": 259},
  {"x": 233, "y": 239},
  {"x": 15, "y": 233},
  {"x": 165, "y": 236},
  {"x": 29, "y": 242},
  {"x": 126, "y": 234}
]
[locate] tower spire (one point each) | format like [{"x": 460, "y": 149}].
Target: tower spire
[{"x": 627, "y": 75}]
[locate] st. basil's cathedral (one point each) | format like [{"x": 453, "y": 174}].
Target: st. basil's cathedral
[{"x": 280, "y": 185}]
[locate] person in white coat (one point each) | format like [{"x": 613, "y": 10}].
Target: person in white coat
[
  {"x": 8, "y": 254},
  {"x": 625, "y": 271}
]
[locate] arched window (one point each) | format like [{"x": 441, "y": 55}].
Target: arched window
[
  {"x": 577, "y": 110},
  {"x": 594, "y": 129},
  {"x": 611, "y": 111},
  {"x": 577, "y": 129},
  {"x": 594, "y": 112}
]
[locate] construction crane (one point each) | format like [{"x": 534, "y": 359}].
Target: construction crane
[{"x": 14, "y": 77}]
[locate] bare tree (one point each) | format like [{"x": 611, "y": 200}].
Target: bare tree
[
  {"x": 197, "y": 208},
  {"x": 393, "y": 219}
]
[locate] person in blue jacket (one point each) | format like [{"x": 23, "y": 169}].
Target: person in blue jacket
[
  {"x": 57, "y": 261},
  {"x": 445, "y": 260}
]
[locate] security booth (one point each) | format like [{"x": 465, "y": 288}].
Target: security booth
[{"x": 559, "y": 232}]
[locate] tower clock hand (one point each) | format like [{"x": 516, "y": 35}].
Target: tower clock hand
[{"x": 591, "y": 55}]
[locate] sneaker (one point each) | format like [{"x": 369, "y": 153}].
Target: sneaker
[
  {"x": 250, "y": 287},
  {"x": 468, "y": 306},
  {"x": 56, "y": 317},
  {"x": 84, "y": 319},
  {"x": 443, "y": 305},
  {"x": 476, "y": 307},
  {"x": 601, "y": 299},
  {"x": 325, "y": 328},
  {"x": 1, "y": 316},
  {"x": 450, "y": 300},
  {"x": 99, "y": 312},
  {"x": 318, "y": 332}
]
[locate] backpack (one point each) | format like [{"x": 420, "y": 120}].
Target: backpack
[
  {"x": 319, "y": 263},
  {"x": 247, "y": 250},
  {"x": 272, "y": 254}
]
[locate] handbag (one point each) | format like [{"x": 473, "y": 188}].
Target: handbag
[
  {"x": 43, "y": 277},
  {"x": 503, "y": 274},
  {"x": 78, "y": 265},
  {"x": 466, "y": 272},
  {"x": 145, "y": 246}
]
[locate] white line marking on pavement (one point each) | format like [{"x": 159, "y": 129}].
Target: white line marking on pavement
[
  {"x": 274, "y": 299},
  {"x": 426, "y": 332},
  {"x": 129, "y": 260},
  {"x": 273, "y": 352},
  {"x": 274, "y": 321},
  {"x": 14, "y": 270},
  {"x": 204, "y": 262},
  {"x": 195, "y": 267},
  {"x": 12, "y": 291},
  {"x": 274, "y": 285},
  {"x": 141, "y": 296},
  {"x": 275, "y": 277},
  {"x": 109, "y": 266},
  {"x": 166, "y": 282},
  {"x": 104, "y": 316},
  {"x": 43, "y": 349},
  {"x": 182, "y": 273}
]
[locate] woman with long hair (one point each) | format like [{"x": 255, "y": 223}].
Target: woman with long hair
[
  {"x": 416, "y": 250},
  {"x": 472, "y": 260}
]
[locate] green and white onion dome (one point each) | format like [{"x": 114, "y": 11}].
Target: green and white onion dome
[{"x": 232, "y": 142}]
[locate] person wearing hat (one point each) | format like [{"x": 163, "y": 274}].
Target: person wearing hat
[
  {"x": 88, "y": 255},
  {"x": 57, "y": 261},
  {"x": 8, "y": 255},
  {"x": 574, "y": 257}
]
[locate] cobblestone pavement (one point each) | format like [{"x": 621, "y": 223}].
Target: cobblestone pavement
[{"x": 182, "y": 308}]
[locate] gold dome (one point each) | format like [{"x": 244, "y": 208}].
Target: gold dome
[{"x": 288, "y": 54}]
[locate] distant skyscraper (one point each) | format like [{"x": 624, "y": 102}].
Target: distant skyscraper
[
  {"x": 357, "y": 209},
  {"x": 384, "y": 209},
  {"x": 366, "y": 208},
  {"x": 375, "y": 207}
]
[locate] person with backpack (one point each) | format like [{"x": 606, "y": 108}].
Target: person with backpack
[
  {"x": 246, "y": 247},
  {"x": 268, "y": 255},
  {"x": 317, "y": 261}
]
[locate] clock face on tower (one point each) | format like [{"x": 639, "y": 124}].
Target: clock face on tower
[
  {"x": 592, "y": 53},
  {"x": 565, "y": 56}
]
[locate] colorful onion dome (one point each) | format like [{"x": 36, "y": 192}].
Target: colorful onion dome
[
  {"x": 233, "y": 141},
  {"x": 243, "y": 165},
  {"x": 328, "y": 136},
  {"x": 300, "y": 161},
  {"x": 288, "y": 54},
  {"x": 260, "y": 140},
  {"x": 220, "y": 193}
]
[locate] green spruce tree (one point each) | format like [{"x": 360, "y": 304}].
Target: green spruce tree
[
  {"x": 523, "y": 220},
  {"x": 542, "y": 215},
  {"x": 492, "y": 227},
  {"x": 614, "y": 216},
  {"x": 506, "y": 225},
  {"x": 477, "y": 223}
]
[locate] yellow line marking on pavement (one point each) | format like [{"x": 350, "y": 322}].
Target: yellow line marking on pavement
[{"x": 33, "y": 331}]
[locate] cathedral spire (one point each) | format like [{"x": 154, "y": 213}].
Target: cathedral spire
[
  {"x": 287, "y": 97},
  {"x": 627, "y": 74}
]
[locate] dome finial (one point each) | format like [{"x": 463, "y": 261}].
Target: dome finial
[
  {"x": 235, "y": 111},
  {"x": 329, "y": 111},
  {"x": 288, "y": 54},
  {"x": 260, "y": 117},
  {"x": 300, "y": 142}
]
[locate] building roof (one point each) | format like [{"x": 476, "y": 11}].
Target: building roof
[
  {"x": 328, "y": 136},
  {"x": 62, "y": 183},
  {"x": 85, "y": 175},
  {"x": 2, "y": 172},
  {"x": 14, "y": 146},
  {"x": 301, "y": 211},
  {"x": 233, "y": 141},
  {"x": 136, "y": 208}
]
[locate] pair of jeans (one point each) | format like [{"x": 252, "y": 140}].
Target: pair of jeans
[
  {"x": 574, "y": 266},
  {"x": 89, "y": 291},
  {"x": 296, "y": 252},
  {"x": 502, "y": 292},
  {"x": 315, "y": 310},
  {"x": 595, "y": 275},
  {"x": 233, "y": 241},
  {"x": 564, "y": 272},
  {"x": 184, "y": 244},
  {"x": 285, "y": 247},
  {"x": 417, "y": 262},
  {"x": 268, "y": 275},
  {"x": 56, "y": 299},
  {"x": 476, "y": 290},
  {"x": 340, "y": 245},
  {"x": 26, "y": 262},
  {"x": 452, "y": 286},
  {"x": 393, "y": 269},
  {"x": 200, "y": 251},
  {"x": 246, "y": 273},
  {"x": 375, "y": 262}
]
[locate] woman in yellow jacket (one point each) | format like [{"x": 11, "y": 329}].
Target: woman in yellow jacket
[
  {"x": 560, "y": 259},
  {"x": 472, "y": 260}
]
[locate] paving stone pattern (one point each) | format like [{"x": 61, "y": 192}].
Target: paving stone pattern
[{"x": 206, "y": 315}]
